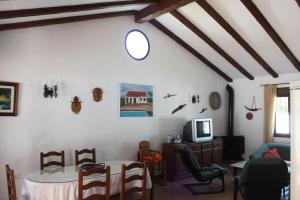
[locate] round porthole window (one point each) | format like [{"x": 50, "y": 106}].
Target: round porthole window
[{"x": 137, "y": 44}]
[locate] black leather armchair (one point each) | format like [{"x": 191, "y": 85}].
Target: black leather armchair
[
  {"x": 262, "y": 179},
  {"x": 204, "y": 175}
]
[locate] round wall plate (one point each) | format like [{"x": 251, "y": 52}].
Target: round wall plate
[
  {"x": 215, "y": 100},
  {"x": 249, "y": 115}
]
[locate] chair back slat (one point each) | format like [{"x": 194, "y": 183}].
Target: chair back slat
[
  {"x": 95, "y": 197},
  {"x": 11, "y": 185},
  {"x": 94, "y": 170},
  {"x": 52, "y": 163},
  {"x": 135, "y": 189},
  {"x": 52, "y": 153},
  {"x": 78, "y": 153},
  {"x": 134, "y": 165},
  {"x": 56, "y": 163},
  {"x": 141, "y": 178},
  {"x": 133, "y": 178},
  {"x": 95, "y": 183}
]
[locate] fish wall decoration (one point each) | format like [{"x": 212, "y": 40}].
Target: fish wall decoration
[
  {"x": 203, "y": 110},
  {"x": 178, "y": 108},
  {"x": 169, "y": 95}
]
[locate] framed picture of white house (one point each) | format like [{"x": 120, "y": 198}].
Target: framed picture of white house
[{"x": 136, "y": 100}]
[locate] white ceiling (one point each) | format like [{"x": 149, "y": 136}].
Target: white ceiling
[
  {"x": 285, "y": 21},
  {"x": 283, "y": 15}
]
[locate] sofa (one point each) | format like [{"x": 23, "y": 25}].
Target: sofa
[
  {"x": 284, "y": 150},
  {"x": 257, "y": 180}
]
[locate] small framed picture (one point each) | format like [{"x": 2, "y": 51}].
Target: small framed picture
[
  {"x": 9, "y": 99},
  {"x": 136, "y": 100}
]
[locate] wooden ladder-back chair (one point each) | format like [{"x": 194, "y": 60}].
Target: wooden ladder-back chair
[
  {"x": 83, "y": 160},
  {"x": 155, "y": 162},
  {"x": 11, "y": 185},
  {"x": 144, "y": 149},
  {"x": 94, "y": 183},
  {"x": 127, "y": 179},
  {"x": 50, "y": 163}
]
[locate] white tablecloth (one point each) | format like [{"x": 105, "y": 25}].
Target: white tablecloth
[{"x": 62, "y": 184}]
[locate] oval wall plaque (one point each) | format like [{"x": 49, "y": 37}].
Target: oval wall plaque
[{"x": 215, "y": 100}]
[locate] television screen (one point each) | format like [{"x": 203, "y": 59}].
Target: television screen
[
  {"x": 203, "y": 128},
  {"x": 197, "y": 130}
]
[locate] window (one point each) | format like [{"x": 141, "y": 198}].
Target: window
[
  {"x": 282, "y": 113},
  {"x": 137, "y": 44}
]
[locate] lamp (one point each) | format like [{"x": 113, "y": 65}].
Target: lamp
[{"x": 50, "y": 91}]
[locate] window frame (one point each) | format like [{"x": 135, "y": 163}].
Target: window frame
[
  {"x": 148, "y": 51},
  {"x": 284, "y": 92}
]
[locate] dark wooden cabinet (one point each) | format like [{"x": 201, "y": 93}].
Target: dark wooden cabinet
[
  {"x": 217, "y": 153},
  {"x": 206, "y": 152}
]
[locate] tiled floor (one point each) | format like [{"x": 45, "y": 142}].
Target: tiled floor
[{"x": 176, "y": 191}]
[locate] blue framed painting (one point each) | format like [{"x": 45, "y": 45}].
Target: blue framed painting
[
  {"x": 136, "y": 100},
  {"x": 8, "y": 98}
]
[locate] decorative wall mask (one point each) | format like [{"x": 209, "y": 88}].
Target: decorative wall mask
[
  {"x": 97, "y": 94},
  {"x": 215, "y": 100},
  {"x": 253, "y": 106},
  {"x": 249, "y": 115},
  {"x": 178, "y": 108},
  {"x": 76, "y": 105}
]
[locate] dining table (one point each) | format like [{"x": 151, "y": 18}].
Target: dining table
[{"x": 61, "y": 183}]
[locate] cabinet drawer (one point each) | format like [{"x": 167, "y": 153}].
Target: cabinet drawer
[
  {"x": 196, "y": 147},
  {"x": 218, "y": 144},
  {"x": 206, "y": 146}
]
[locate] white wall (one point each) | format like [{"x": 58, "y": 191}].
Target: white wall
[
  {"x": 84, "y": 55},
  {"x": 295, "y": 154},
  {"x": 244, "y": 91}
]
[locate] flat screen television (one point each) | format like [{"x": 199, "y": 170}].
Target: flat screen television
[{"x": 197, "y": 130}]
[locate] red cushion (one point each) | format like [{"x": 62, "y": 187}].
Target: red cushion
[
  {"x": 153, "y": 157},
  {"x": 272, "y": 153}
]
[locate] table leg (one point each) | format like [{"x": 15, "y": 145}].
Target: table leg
[
  {"x": 151, "y": 192},
  {"x": 235, "y": 189},
  {"x": 235, "y": 171}
]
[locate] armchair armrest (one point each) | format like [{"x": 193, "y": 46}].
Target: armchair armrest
[{"x": 212, "y": 169}]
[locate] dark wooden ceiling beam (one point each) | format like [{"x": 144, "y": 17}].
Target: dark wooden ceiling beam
[
  {"x": 63, "y": 20},
  {"x": 156, "y": 10},
  {"x": 218, "y": 18},
  {"x": 190, "y": 49},
  {"x": 70, "y": 8},
  {"x": 211, "y": 43},
  {"x": 271, "y": 32},
  {"x": 298, "y": 2}
]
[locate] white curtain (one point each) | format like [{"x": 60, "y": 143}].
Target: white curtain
[
  {"x": 270, "y": 92},
  {"x": 295, "y": 139}
]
